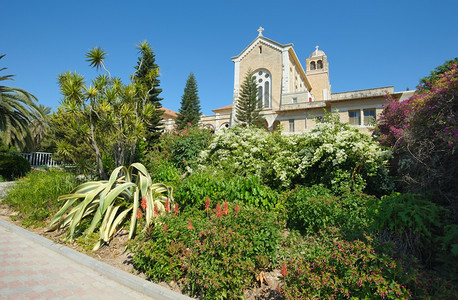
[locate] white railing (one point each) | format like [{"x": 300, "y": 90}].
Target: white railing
[{"x": 39, "y": 159}]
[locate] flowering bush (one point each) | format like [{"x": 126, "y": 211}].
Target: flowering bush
[
  {"x": 214, "y": 253},
  {"x": 328, "y": 266},
  {"x": 249, "y": 150},
  {"x": 423, "y": 132},
  {"x": 342, "y": 158},
  {"x": 334, "y": 154}
]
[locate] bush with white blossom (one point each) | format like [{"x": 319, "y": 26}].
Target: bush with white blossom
[{"x": 333, "y": 154}]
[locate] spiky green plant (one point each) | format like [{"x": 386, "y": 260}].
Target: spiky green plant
[{"x": 102, "y": 200}]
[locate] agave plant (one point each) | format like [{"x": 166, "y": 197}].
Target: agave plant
[{"x": 102, "y": 200}]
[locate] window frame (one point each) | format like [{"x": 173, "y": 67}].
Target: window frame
[
  {"x": 350, "y": 118},
  {"x": 371, "y": 119},
  {"x": 291, "y": 125}
]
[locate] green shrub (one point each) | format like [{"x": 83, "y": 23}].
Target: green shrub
[
  {"x": 193, "y": 190},
  {"x": 13, "y": 166},
  {"x": 214, "y": 253},
  {"x": 161, "y": 168},
  {"x": 410, "y": 219},
  {"x": 182, "y": 147},
  {"x": 34, "y": 196},
  {"x": 446, "y": 258},
  {"x": 311, "y": 209}
]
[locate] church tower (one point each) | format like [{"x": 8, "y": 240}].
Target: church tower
[{"x": 317, "y": 67}]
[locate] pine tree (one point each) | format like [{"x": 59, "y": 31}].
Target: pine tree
[
  {"x": 248, "y": 107},
  {"x": 147, "y": 74},
  {"x": 190, "y": 105}
]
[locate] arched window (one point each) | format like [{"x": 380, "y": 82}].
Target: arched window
[
  {"x": 319, "y": 64},
  {"x": 312, "y": 66},
  {"x": 264, "y": 84}
]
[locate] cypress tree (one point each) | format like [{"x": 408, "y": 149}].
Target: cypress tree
[
  {"x": 190, "y": 104},
  {"x": 147, "y": 74},
  {"x": 248, "y": 106}
]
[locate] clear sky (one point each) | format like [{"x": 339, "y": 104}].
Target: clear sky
[{"x": 368, "y": 43}]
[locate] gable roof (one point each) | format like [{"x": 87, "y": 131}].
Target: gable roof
[{"x": 264, "y": 40}]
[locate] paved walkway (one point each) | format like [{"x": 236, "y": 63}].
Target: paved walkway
[{"x": 33, "y": 267}]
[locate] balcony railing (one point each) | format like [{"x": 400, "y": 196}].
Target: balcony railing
[{"x": 41, "y": 159}]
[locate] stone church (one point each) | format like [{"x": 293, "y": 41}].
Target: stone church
[{"x": 293, "y": 96}]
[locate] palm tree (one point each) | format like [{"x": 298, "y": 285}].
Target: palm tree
[
  {"x": 17, "y": 108},
  {"x": 38, "y": 126}
]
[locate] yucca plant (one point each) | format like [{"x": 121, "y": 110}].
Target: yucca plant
[{"x": 102, "y": 200}]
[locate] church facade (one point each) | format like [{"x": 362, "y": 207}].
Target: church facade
[{"x": 294, "y": 98}]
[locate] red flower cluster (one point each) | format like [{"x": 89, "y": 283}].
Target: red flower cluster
[
  {"x": 190, "y": 225},
  {"x": 167, "y": 205},
  {"x": 219, "y": 212},
  {"x": 237, "y": 209},
  {"x": 176, "y": 211},
  {"x": 284, "y": 270},
  {"x": 139, "y": 214},
  {"x": 143, "y": 204},
  {"x": 207, "y": 204},
  {"x": 225, "y": 208}
]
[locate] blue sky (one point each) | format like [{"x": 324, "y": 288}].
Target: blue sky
[{"x": 368, "y": 43}]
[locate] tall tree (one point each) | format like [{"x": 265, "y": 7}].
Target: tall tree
[
  {"x": 17, "y": 108},
  {"x": 109, "y": 114},
  {"x": 190, "y": 104},
  {"x": 248, "y": 106},
  {"x": 147, "y": 73}
]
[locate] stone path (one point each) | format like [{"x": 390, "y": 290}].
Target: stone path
[
  {"x": 30, "y": 271},
  {"x": 33, "y": 267}
]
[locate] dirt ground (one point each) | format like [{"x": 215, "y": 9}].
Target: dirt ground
[{"x": 113, "y": 255}]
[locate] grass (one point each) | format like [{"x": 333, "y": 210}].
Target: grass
[{"x": 34, "y": 196}]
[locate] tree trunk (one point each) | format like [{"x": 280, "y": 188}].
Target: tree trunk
[
  {"x": 98, "y": 156},
  {"x": 132, "y": 153}
]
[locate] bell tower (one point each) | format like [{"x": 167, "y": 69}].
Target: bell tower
[{"x": 317, "y": 67}]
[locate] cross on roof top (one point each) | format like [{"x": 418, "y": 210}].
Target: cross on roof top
[
  {"x": 316, "y": 49},
  {"x": 260, "y": 30}
]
